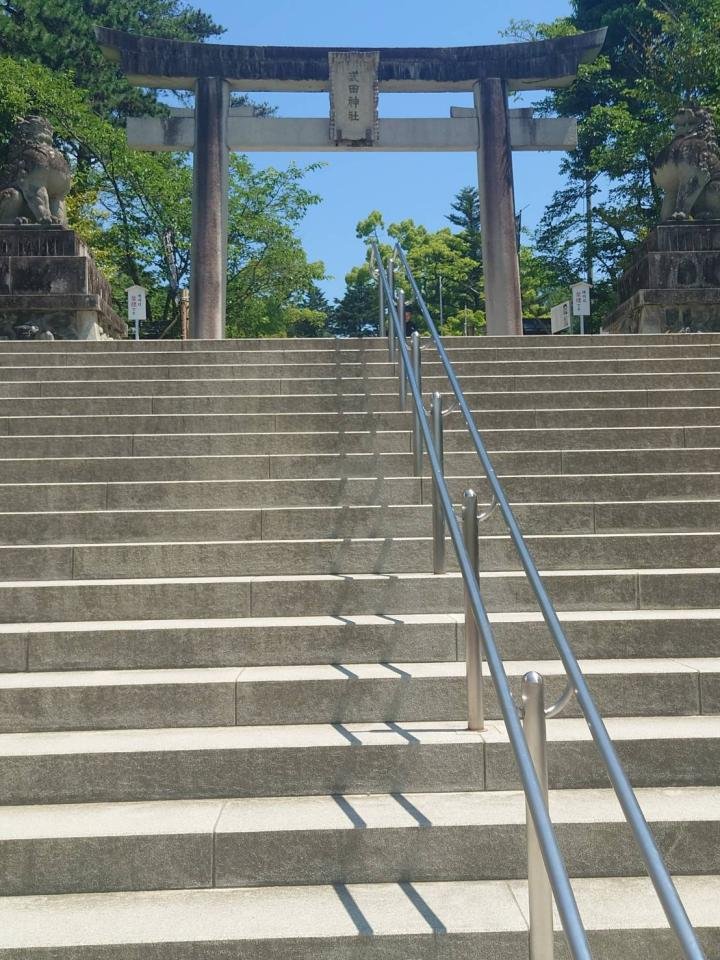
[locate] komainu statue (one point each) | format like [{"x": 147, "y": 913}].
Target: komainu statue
[
  {"x": 36, "y": 177},
  {"x": 688, "y": 169}
]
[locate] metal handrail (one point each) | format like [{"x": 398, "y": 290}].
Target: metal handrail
[
  {"x": 554, "y": 863},
  {"x": 535, "y": 790}
]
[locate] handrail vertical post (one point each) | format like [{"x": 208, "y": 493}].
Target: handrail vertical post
[
  {"x": 539, "y": 889},
  {"x": 381, "y": 307},
  {"x": 392, "y": 345},
  {"x": 417, "y": 439},
  {"x": 473, "y": 644},
  {"x": 401, "y": 366},
  {"x": 436, "y": 416}
]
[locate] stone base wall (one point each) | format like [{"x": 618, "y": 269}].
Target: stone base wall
[
  {"x": 50, "y": 287},
  {"x": 672, "y": 284},
  {"x": 667, "y": 311}
]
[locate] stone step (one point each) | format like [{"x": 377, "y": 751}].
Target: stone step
[
  {"x": 673, "y": 488},
  {"x": 263, "y": 557},
  {"x": 511, "y": 430},
  {"x": 341, "y": 594},
  {"x": 251, "y": 406},
  {"x": 378, "y": 466},
  {"x": 176, "y": 644},
  {"x": 572, "y": 487},
  {"x": 231, "y": 642},
  {"x": 316, "y": 523},
  {"x": 425, "y": 921},
  {"x": 204, "y": 444},
  {"x": 329, "y": 352},
  {"x": 91, "y": 421},
  {"x": 221, "y": 400},
  {"x": 578, "y": 399},
  {"x": 196, "y": 414},
  {"x": 207, "y": 467},
  {"x": 344, "y": 692},
  {"x": 338, "y": 370},
  {"x": 367, "y": 343},
  {"x": 488, "y": 393},
  {"x": 329, "y": 522},
  {"x": 217, "y": 493},
  {"x": 19, "y": 383},
  {"x": 272, "y": 761},
  {"x": 376, "y": 838},
  {"x": 215, "y": 443}
]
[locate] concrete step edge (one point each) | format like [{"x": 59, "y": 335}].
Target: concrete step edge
[
  {"x": 319, "y": 920},
  {"x": 320, "y": 813},
  {"x": 352, "y": 620},
  {"x": 347, "y": 670},
  {"x": 357, "y": 734}
]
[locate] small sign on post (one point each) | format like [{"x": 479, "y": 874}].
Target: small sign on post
[
  {"x": 560, "y": 317},
  {"x": 581, "y": 302},
  {"x": 137, "y": 306}
]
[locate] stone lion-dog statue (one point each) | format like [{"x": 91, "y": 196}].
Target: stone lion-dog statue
[
  {"x": 36, "y": 177},
  {"x": 688, "y": 169}
]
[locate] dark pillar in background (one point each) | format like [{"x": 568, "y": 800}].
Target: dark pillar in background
[
  {"x": 208, "y": 266},
  {"x": 503, "y": 305}
]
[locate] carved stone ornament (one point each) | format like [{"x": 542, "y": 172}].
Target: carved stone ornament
[
  {"x": 36, "y": 177},
  {"x": 688, "y": 169}
]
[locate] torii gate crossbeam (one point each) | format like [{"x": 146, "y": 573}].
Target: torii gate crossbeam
[{"x": 354, "y": 78}]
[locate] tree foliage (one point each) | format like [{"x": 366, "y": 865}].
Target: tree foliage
[
  {"x": 447, "y": 266},
  {"x": 269, "y": 276},
  {"x": 133, "y": 208},
  {"x": 356, "y": 313},
  {"x": 658, "y": 54},
  {"x": 59, "y": 34}
]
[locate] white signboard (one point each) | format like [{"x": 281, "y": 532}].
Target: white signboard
[
  {"x": 560, "y": 317},
  {"x": 581, "y": 299},
  {"x": 137, "y": 303},
  {"x": 137, "y": 306},
  {"x": 354, "y": 97}
]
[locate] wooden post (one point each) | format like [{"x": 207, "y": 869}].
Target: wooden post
[{"x": 184, "y": 306}]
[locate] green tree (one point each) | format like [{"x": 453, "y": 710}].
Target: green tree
[
  {"x": 310, "y": 318},
  {"x": 356, "y": 313},
  {"x": 466, "y": 215},
  {"x": 59, "y": 34},
  {"x": 268, "y": 271},
  {"x": 658, "y": 54},
  {"x": 133, "y": 209},
  {"x": 445, "y": 272},
  {"x": 445, "y": 264}
]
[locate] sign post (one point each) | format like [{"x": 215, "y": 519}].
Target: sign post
[
  {"x": 184, "y": 306},
  {"x": 581, "y": 302},
  {"x": 137, "y": 306}
]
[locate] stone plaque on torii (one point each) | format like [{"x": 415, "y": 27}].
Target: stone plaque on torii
[{"x": 354, "y": 79}]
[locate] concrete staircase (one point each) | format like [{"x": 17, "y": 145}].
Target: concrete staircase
[{"x": 232, "y": 691}]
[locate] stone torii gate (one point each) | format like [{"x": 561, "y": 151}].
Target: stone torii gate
[{"x": 353, "y": 78}]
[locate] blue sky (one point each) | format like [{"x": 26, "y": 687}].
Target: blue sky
[{"x": 420, "y": 185}]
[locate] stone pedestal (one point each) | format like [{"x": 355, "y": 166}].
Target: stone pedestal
[
  {"x": 49, "y": 284},
  {"x": 673, "y": 282}
]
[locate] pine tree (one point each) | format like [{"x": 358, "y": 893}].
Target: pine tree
[{"x": 59, "y": 34}]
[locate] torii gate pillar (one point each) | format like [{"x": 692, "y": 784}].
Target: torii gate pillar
[
  {"x": 501, "y": 268},
  {"x": 208, "y": 262}
]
